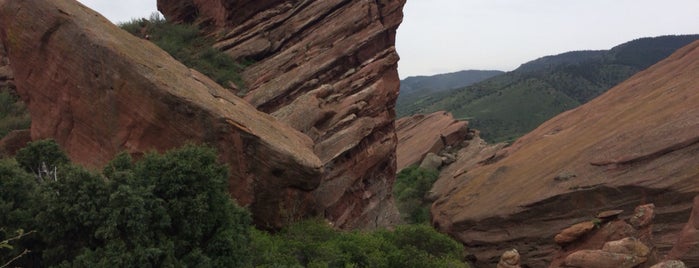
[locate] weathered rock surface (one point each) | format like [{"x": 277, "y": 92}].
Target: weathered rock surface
[
  {"x": 637, "y": 143},
  {"x": 431, "y": 162},
  {"x": 13, "y": 141},
  {"x": 97, "y": 90},
  {"x": 420, "y": 134},
  {"x": 328, "y": 69},
  {"x": 670, "y": 264},
  {"x": 686, "y": 247},
  {"x": 602, "y": 259},
  {"x": 611, "y": 236},
  {"x": 509, "y": 259},
  {"x": 6, "y": 75},
  {"x": 574, "y": 232}
]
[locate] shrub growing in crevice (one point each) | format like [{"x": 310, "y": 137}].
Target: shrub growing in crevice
[{"x": 186, "y": 44}]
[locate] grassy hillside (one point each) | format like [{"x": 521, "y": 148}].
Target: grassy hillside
[
  {"x": 416, "y": 91},
  {"x": 509, "y": 105}
]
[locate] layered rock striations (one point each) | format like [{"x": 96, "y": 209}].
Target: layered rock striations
[
  {"x": 420, "y": 134},
  {"x": 638, "y": 143},
  {"x": 98, "y": 90},
  {"x": 328, "y": 69}
]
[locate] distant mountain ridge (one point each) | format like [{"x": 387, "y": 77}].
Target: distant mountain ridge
[
  {"x": 509, "y": 105},
  {"x": 416, "y": 88}
]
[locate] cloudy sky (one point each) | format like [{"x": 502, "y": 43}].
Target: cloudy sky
[{"x": 439, "y": 36}]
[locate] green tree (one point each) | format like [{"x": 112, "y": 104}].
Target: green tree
[
  {"x": 168, "y": 209},
  {"x": 17, "y": 199},
  {"x": 42, "y": 158}
]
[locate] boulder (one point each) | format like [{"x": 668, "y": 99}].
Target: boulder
[
  {"x": 628, "y": 246},
  {"x": 602, "y": 259},
  {"x": 635, "y": 144},
  {"x": 509, "y": 259},
  {"x": 431, "y": 162},
  {"x": 574, "y": 232},
  {"x": 669, "y": 264},
  {"x": 643, "y": 216}
]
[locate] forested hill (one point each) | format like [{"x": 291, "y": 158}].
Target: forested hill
[
  {"x": 415, "y": 89},
  {"x": 507, "y": 106}
]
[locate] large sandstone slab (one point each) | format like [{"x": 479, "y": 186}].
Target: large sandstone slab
[
  {"x": 638, "y": 143},
  {"x": 420, "y": 134},
  {"x": 328, "y": 69},
  {"x": 98, "y": 90}
]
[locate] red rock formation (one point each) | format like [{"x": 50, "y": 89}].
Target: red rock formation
[
  {"x": 687, "y": 246},
  {"x": 328, "y": 69},
  {"x": 98, "y": 90},
  {"x": 635, "y": 144},
  {"x": 6, "y": 75},
  {"x": 13, "y": 141},
  {"x": 420, "y": 134}
]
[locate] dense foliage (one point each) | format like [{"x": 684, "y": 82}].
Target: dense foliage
[
  {"x": 13, "y": 114},
  {"x": 509, "y": 105},
  {"x": 187, "y": 45},
  {"x": 164, "y": 210},
  {"x": 412, "y": 184},
  {"x": 313, "y": 243},
  {"x": 173, "y": 210}
]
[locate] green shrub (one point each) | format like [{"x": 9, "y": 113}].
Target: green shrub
[
  {"x": 410, "y": 188},
  {"x": 314, "y": 243},
  {"x": 13, "y": 113},
  {"x": 187, "y": 45}
]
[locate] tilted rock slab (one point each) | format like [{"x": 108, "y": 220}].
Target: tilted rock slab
[
  {"x": 98, "y": 90},
  {"x": 421, "y": 134},
  {"x": 329, "y": 69},
  {"x": 638, "y": 143}
]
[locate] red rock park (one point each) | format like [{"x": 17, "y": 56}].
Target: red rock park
[{"x": 311, "y": 130}]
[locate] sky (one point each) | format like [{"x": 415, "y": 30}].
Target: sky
[{"x": 441, "y": 36}]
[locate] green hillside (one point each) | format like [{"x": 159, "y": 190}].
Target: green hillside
[
  {"x": 507, "y": 106},
  {"x": 416, "y": 91}
]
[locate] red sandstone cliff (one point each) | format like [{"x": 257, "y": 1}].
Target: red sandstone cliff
[
  {"x": 6, "y": 75},
  {"x": 98, "y": 90},
  {"x": 328, "y": 69},
  {"x": 638, "y": 143},
  {"x": 324, "y": 73}
]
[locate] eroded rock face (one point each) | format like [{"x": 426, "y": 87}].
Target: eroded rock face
[
  {"x": 687, "y": 246},
  {"x": 97, "y": 91},
  {"x": 6, "y": 74},
  {"x": 420, "y": 134},
  {"x": 328, "y": 69},
  {"x": 637, "y": 143}
]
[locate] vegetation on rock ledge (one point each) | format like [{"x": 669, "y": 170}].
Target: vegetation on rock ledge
[
  {"x": 187, "y": 45},
  {"x": 13, "y": 113},
  {"x": 412, "y": 184}
]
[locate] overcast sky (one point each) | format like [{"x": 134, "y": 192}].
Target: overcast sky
[{"x": 439, "y": 36}]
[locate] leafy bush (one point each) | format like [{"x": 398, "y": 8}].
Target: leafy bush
[
  {"x": 13, "y": 113},
  {"x": 187, "y": 45},
  {"x": 41, "y": 157},
  {"x": 412, "y": 184},
  {"x": 313, "y": 243},
  {"x": 169, "y": 209},
  {"x": 173, "y": 210}
]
